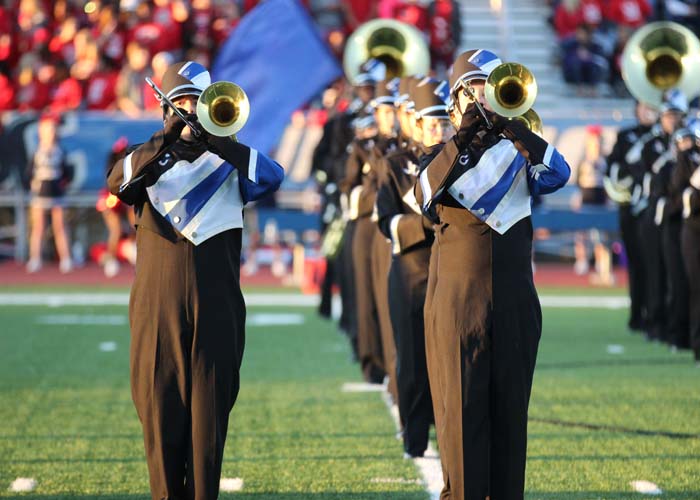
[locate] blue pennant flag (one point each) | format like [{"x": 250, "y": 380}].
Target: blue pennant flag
[{"x": 276, "y": 55}]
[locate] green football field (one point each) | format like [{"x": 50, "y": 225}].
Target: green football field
[{"x": 607, "y": 409}]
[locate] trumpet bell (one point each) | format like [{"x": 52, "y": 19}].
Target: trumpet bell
[
  {"x": 661, "y": 56},
  {"x": 510, "y": 89},
  {"x": 398, "y": 45},
  {"x": 531, "y": 120},
  {"x": 223, "y": 109}
]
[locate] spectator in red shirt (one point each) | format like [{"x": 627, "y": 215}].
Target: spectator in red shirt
[
  {"x": 632, "y": 13},
  {"x": 33, "y": 86},
  {"x": 61, "y": 45},
  {"x": 570, "y": 14},
  {"x": 227, "y": 17},
  {"x": 199, "y": 26},
  {"x": 87, "y": 56},
  {"x": 110, "y": 38},
  {"x": 67, "y": 94},
  {"x": 411, "y": 12},
  {"x": 8, "y": 42},
  {"x": 567, "y": 17},
  {"x": 34, "y": 29},
  {"x": 100, "y": 92},
  {"x": 170, "y": 15},
  {"x": 7, "y": 92},
  {"x": 445, "y": 33},
  {"x": 362, "y": 11}
]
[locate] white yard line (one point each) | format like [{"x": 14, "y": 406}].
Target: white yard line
[
  {"x": 57, "y": 299},
  {"x": 83, "y": 319},
  {"x": 615, "y": 349},
  {"x": 108, "y": 346},
  {"x": 23, "y": 484},
  {"x": 428, "y": 466},
  {"x": 361, "y": 387},
  {"x": 646, "y": 487},
  {"x": 230, "y": 484}
]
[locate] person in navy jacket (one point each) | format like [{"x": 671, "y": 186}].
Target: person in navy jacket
[
  {"x": 186, "y": 311},
  {"x": 482, "y": 309}
]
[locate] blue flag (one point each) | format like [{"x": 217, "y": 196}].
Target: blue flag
[{"x": 276, "y": 55}]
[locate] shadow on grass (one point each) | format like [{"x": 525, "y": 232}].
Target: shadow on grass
[
  {"x": 596, "y": 363},
  {"x": 265, "y": 458},
  {"x": 380, "y": 495},
  {"x": 606, "y": 495},
  {"x": 139, "y": 437},
  {"x": 328, "y": 495},
  {"x": 616, "y": 428}
]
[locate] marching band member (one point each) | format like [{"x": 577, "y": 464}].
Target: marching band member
[
  {"x": 686, "y": 177},
  {"x": 482, "y": 308},
  {"x": 387, "y": 143},
  {"x": 360, "y": 194},
  {"x": 410, "y": 233},
  {"x": 343, "y": 137},
  {"x": 186, "y": 311},
  {"x": 619, "y": 180},
  {"x": 657, "y": 155}
]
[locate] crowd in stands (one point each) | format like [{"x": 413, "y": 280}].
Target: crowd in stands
[
  {"x": 592, "y": 35},
  {"x": 70, "y": 54}
]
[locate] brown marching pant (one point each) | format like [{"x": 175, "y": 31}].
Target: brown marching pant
[
  {"x": 187, "y": 319},
  {"x": 381, "y": 263},
  {"x": 369, "y": 339},
  {"x": 483, "y": 324}
]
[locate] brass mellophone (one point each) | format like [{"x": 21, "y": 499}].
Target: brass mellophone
[{"x": 222, "y": 108}]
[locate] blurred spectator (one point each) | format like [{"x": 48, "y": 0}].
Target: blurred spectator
[
  {"x": 49, "y": 176},
  {"x": 33, "y": 85},
  {"x": 445, "y": 33},
  {"x": 570, "y": 14},
  {"x": 8, "y": 43},
  {"x": 330, "y": 15},
  {"x": 66, "y": 94},
  {"x": 226, "y": 17},
  {"x": 616, "y": 82},
  {"x": 159, "y": 64},
  {"x": 148, "y": 33},
  {"x": 686, "y": 12},
  {"x": 87, "y": 57},
  {"x": 199, "y": 26},
  {"x": 114, "y": 214},
  {"x": 584, "y": 62},
  {"x": 7, "y": 91},
  {"x": 130, "y": 84},
  {"x": 362, "y": 11},
  {"x": 170, "y": 15},
  {"x": 61, "y": 44},
  {"x": 413, "y": 12},
  {"x": 589, "y": 178},
  {"x": 34, "y": 30},
  {"x": 108, "y": 35},
  {"x": 100, "y": 91},
  {"x": 630, "y": 13}
]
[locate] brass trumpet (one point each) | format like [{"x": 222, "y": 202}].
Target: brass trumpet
[
  {"x": 222, "y": 108},
  {"x": 398, "y": 45},
  {"x": 661, "y": 56},
  {"x": 510, "y": 90},
  {"x": 531, "y": 120}
]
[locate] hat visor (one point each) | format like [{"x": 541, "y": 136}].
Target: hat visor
[{"x": 183, "y": 91}]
